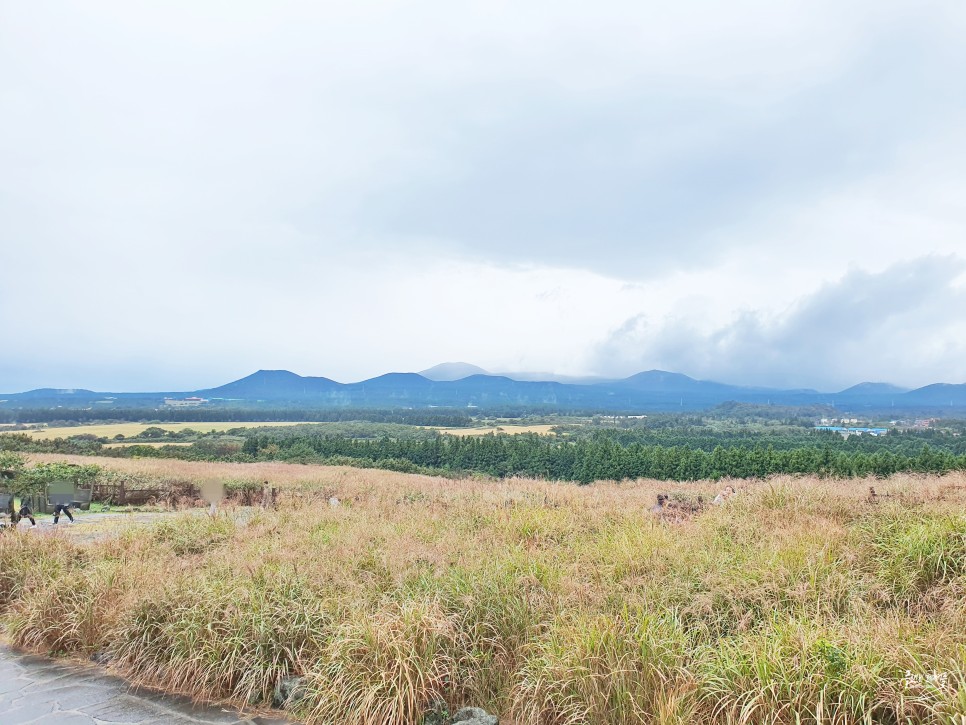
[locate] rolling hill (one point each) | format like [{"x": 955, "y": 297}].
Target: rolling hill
[{"x": 446, "y": 386}]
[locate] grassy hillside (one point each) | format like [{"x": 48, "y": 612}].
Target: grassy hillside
[{"x": 797, "y": 601}]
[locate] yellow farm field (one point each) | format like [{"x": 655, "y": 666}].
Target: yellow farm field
[
  {"x": 132, "y": 429},
  {"x": 511, "y": 429},
  {"x": 150, "y": 444}
]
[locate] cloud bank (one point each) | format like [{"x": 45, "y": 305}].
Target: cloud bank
[
  {"x": 904, "y": 323},
  {"x": 189, "y": 192}
]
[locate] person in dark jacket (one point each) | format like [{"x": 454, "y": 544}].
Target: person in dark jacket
[
  {"x": 26, "y": 513},
  {"x": 65, "y": 509}
]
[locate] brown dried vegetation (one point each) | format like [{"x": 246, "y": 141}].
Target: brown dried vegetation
[{"x": 797, "y": 601}]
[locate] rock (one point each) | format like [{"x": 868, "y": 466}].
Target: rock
[
  {"x": 474, "y": 716},
  {"x": 101, "y": 658},
  {"x": 334, "y": 502},
  {"x": 288, "y": 691}
]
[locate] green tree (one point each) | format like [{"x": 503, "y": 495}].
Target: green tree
[{"x": 12, "y": 462}]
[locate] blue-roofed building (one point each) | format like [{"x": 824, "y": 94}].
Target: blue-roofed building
[{"x": 853, "y": 430}]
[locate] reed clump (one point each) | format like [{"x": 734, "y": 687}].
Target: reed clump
[{"x": 798, "y": 601}]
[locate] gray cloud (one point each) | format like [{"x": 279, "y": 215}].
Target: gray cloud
[
  {"x": 189, "y": 191},
  {"x": 645, "y": 178},
  {"x": 622, "y": 139},
  {"x": 903, "y": 325}
]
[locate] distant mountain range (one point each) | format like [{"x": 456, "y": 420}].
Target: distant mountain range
[
  {"x": 461, "y": 385},
  {"x": 458, "y": 370}
]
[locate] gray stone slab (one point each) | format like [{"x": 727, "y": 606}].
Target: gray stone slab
[
  {"x": 67, "y": 718},
  {"x": 11, "y": 683},
  {"x": 46, "y": 678},
  {"x": 28, "y": 713},
  {"x": 9, "y": 669},
  {"x": 36, "y": 691},
  {"x": 209, "y": 714},
  {"x": 74, "y": 697},
  {"x": 124, "y": 708}
]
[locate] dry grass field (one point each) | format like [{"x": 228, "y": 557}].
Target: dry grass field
[
  {"x": 798, "y": 601},
  {"x": 151, "y": 444},
  {"x": 509, "y": 429},
  {"x": 129, "y": 430}
]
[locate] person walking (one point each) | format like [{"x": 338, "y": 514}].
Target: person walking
[
  {"x": 26, "y": 513},
  {"x": 62, "y": 508}
]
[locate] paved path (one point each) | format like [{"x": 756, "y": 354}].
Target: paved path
[
  {"x": 41, "y": 692},
  {"x": 89, "y": 527}
]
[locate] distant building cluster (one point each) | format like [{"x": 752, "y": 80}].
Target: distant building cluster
[
  {"x": 846, "y": 431},
  {"x": 919, "y": 424},
  {"x": 185, "y": 402}
]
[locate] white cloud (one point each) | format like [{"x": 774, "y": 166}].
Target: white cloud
[
  {"x": 191, "y": 191},
  {"x": 903, "y": 325}
]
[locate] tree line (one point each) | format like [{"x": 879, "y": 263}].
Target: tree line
[
  {"x": 606, "y": 455},
  {"x": 443, "y": 417},
  {"x": 586, "y": 460}
]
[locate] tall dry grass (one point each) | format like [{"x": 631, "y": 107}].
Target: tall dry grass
[{"x": 798, "y": 602}]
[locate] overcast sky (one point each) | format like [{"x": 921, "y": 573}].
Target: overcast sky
[{"x": 762, "y": 191}]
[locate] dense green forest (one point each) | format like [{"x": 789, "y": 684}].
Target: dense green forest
[
  {"x": 905, "y": 442},
  {"x": 445, "y": 417},
  {"x": 581, "y": 454},
  {"x": 615, "y": 455}
]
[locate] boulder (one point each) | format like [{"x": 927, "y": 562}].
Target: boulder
[
  {"x": 474, "y": 716},
  {"x": 288, "y": 691}
]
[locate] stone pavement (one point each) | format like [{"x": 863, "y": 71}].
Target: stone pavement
[
  {"x": 89, "y": 527},
  {"x": 42, "y": 692}
]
